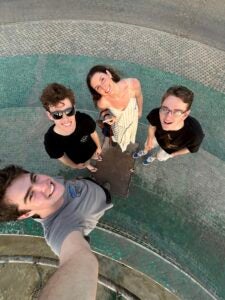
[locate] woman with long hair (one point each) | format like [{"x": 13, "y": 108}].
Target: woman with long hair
[{"x": 119, "y": 100}]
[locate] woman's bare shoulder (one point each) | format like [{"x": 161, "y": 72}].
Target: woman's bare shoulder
[{"x": 133, "y": 83}]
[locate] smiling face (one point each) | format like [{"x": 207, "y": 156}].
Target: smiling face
[
  {"x": 38, "y": 194},
  {"x": 67, "y": 123},
  {"x": 173, "y": 113},
  {"x": 102, "y": 83}
]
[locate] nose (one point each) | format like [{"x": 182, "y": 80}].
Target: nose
[
  {"x": 65, "y": 117},
  {"x": 169, "y": 116},
  {"x": 42, "y": 186},
  {"x": 104, "y": 84}
]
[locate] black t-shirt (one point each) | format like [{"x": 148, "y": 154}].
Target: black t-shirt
[
  {"x": 190, "y": 136},
  {"x": 78, "y": 146}
]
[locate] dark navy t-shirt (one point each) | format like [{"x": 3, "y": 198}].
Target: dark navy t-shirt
[
  {"x": 78, "y": 146},
  {"x": 190, "y": 136}
]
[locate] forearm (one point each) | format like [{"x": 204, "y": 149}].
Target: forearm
[
  {"x": 140, "y": 103},
  {"x": 150, "y": 138},
  {"x": 180, "y": 152},
  {"x": 136, "y": 85},
  {"x": 67, "y": 161},
  {"x": 75, "y": 279},
  {"x": 95, "y": 138}
]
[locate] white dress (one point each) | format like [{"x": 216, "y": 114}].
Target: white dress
[{"x": 125, "y": 127}]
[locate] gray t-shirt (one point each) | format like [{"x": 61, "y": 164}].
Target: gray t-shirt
[{"x": 84, "y": 204}]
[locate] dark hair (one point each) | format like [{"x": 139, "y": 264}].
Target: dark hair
[
  {"x": 9, "y": 212},
  {"x": 179, "y": 91},
  {"x": 54, "y": 93},
  {"x": 101, "y": 69}
]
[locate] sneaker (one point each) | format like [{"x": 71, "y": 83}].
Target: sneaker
[
  {"x": 148, "y": 160},
  {"x": 139, "y": 153}
]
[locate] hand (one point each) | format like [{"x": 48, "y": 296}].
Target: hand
[
  {"x": 98, "y": 153},
  {"x": 80, "y": 166},
  {"x": 110, "y": 120}
]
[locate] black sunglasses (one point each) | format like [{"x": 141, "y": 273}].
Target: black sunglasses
[{"x": 57, "y": 115}]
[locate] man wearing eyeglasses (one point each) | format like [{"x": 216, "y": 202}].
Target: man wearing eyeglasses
[
  {"x": 72, "y": 139},
  {"x": 172, "y": 130}
]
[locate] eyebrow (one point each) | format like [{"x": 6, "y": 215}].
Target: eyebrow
[
  {"x": 32, "y": 175},
  {"x": 172, "y": 109}
]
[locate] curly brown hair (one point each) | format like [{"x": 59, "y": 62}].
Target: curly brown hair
[
  {"x": 9, "y": 212},
  {"x": 54, "y": 93}
]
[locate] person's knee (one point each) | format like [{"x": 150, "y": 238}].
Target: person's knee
[{"x": 163, "y": 156}]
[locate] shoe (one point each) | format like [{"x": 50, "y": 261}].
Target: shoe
[
  {"x": 148, "y": 160},
  {"x": 138, "y": 154}
]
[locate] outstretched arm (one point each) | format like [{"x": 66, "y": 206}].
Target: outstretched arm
[{"x": 76, "y": 277}]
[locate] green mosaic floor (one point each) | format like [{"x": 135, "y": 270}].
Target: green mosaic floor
[{"x": 175, "y": 208}]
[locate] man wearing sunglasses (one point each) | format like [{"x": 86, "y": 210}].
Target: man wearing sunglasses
[
  {"x": 172, "y": 130},
  {"x": 72, "y": 139}
]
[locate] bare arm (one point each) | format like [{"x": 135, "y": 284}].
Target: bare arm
[
  {"x": 150, "y": 137},
  {"x": 96, "y": 140},
  {"x": 68, "y": 162},
  {"x": 138, "y": 94},
  {"x": 76, "y": 277},
  {"x": 180, "y": 152}
]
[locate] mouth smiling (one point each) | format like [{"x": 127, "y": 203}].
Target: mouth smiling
[
  {"x": 108, "y": 90},
  {"x": 67, "y": 124}
]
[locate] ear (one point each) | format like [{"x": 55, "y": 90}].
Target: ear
[
  {"x": 186, "y": 114},
  {"x": 108, "y": 73},
  {"x": 26, "y": 215},
  {"x": 49, "y": 116}
]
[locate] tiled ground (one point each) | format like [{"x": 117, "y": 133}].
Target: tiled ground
[{"x": 175, "y": 208}]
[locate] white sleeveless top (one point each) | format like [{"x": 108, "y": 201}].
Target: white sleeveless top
[{"x": 125, "y": 128}]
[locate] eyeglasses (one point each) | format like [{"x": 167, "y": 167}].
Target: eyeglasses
[
  {"x": 176, "y": 112},
  {"x": 57, "y": 115}
]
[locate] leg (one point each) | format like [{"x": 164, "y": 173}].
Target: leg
[
  {"x": 90, "y": 167},
  {"x": 143, "y": 152},
  {"x": 162, "y": 155}
]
